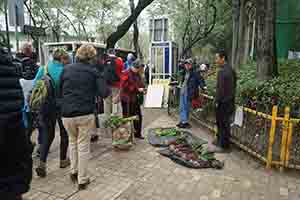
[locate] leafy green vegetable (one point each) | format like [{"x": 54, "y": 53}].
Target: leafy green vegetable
[
  {"x": 117, "y": 121},
  {"x": 120, "y": 142},
  {"x": 167, "y": 132}
]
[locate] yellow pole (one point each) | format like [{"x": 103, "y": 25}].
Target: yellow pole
[
  {"x": 285, "y": 125},
  {"x": 289, "y": 143},
  {"x": 272, "y": 136}
]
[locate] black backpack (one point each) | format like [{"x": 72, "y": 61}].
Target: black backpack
[
  {"x": 110, "y": 73},
  {"x": 29, "y": 68}
]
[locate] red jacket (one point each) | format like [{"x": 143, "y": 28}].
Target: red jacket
[
  {"x": 130, "y": 84},
  {"x": 119, "y": 70}
]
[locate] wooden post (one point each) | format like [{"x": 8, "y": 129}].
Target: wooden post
[
  {"x": 272, "y": 136},
  {"x": 285, "y": 125},
  {"x": 289, "y": 143}
]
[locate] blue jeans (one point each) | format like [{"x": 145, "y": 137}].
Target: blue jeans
[{"x": 184, "y": 108}]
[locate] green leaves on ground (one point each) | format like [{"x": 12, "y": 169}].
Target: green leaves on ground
[{"x": 167, "y": 132}]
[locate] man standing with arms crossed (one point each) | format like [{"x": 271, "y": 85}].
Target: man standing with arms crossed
[{"x": 225, "y": 99}]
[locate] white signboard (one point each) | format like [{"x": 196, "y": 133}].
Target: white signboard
[
  {"x": 154, "y": 97},
  {"x": 239, "y": 116},
  {"x": 294, "y": 55}
]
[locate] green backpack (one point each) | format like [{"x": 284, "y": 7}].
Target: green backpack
[{"x": 43, "y": 94}]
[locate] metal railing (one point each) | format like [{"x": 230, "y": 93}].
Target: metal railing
[{"x": 273, "y": 139}]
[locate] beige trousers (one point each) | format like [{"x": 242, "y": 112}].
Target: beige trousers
[
  {"x": 79, "y": 129},
  {"x": 110, "y": 107}
]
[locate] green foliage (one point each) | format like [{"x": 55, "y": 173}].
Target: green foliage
[
  {"x": 116, "y": 121},
  {"x": 261, "y": 95},
  {"x": 167, "y": 132}
]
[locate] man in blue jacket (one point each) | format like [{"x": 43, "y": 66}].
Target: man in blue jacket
[{"x": 191, "y": 81}]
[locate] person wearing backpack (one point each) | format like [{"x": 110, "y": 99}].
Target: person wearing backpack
[
  {"x": 28, "y": 60},
  {"x": 113, "y": 69},
  {"x": 44, "y": 100},
  {"x": 80, "y": 83}
]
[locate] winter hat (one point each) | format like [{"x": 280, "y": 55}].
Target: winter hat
[{"x": 137, "y": 64}]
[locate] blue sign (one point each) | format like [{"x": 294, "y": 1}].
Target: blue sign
[
  {"x": 167, "y": 54},
  {"x": 164, "y": 44}
]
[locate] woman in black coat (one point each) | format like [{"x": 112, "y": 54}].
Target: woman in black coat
[{"x": 15, "y": 146}]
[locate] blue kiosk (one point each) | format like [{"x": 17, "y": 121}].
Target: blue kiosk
[{"x": 163, "y": 53}]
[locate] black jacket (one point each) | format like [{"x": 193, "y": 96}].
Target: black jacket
[
  {"x": 80, "y": 84},
  {"x": 29, "y": 66},
  {"x": 15, "y": 146},
  {"x": 226, "y": 85}
]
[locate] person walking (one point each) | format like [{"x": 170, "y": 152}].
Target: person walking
[
  {"x": 132, "y": 87},
  {"x": 114, "y": 67},
  {"x": 80, "y": 84},
  {"x": 191, "y": 81},
  {"x": 15, "y": 146},
  {"x": 225, "y": 99},
  {"x": 48, "y": 118}
]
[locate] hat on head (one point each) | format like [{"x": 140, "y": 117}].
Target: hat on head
[{"x": 137, "y": 64}]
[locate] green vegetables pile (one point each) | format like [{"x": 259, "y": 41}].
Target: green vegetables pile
[
  {"x": 167, "y": 132},
  {"x": 117, "y": 121},
  {"x": 197, "y": 149}
]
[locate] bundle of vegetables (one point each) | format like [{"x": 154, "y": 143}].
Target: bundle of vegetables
[
  {"x": 203, "y": 152},
  {"x": 116, "y": 121},
  {"x": 167, "y": 132},
  {"x": 194, "y": 152},
  {"x": 121, "y": 131}
]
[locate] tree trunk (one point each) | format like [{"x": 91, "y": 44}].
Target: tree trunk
[
  {"x": 253, "y": 39},
  {"x": 247, "y": 42},
  {"x": 137, "y": 48},
  {"x": 7, "y": 26},
  {"x": 265, "y": 44},
  {"x": 124, "y": 27},
  {"x": 241, "y": 35},
  {"x": 235, "y": 31}
]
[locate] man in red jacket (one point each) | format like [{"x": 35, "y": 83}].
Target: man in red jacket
[{"x": 112, "y": 103}]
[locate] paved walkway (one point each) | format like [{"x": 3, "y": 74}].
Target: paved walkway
[{"x": 142, "y": 174}]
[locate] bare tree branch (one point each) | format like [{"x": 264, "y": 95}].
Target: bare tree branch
[
  {"x": 124, "y": 27},
  {"x": 73, "y": 26}
]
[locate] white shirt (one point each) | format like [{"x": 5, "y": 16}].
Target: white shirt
[{"x": 27, "y": 86}]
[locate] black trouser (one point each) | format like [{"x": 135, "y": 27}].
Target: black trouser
[
  {"x": 224, "y": 112},
  {"x": 48, "y": 123},
  {"x": 133, "y": 109},
  {"x": 29, "y": 128}
]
